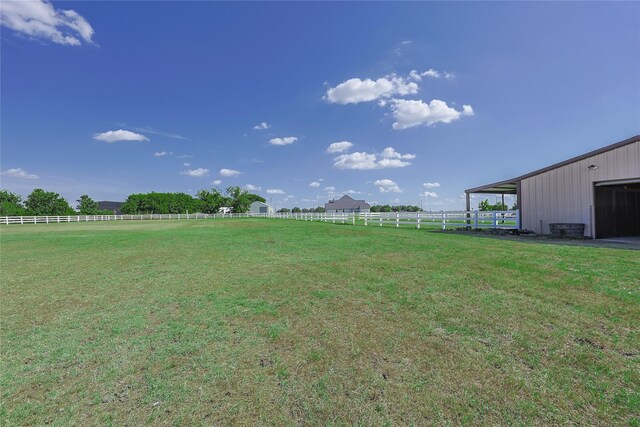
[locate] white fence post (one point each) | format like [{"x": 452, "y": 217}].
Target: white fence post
[
  {"x": 418, "y": 220},
  {"x": 444, "y": 221},
  {"x": 494, "y": 217},
  {"x": 475, "y": 219},
  {"x": 398, "y": 220}
]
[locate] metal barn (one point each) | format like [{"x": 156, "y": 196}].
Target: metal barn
[{"x": 600, "y": 189}]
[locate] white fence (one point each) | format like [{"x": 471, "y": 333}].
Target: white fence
[{"x": 443, "y": 220}]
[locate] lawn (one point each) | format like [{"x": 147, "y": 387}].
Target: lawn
[{"x": 280, "y": 322}]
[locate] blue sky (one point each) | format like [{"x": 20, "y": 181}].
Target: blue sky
[{"x": 118, "y": 97}]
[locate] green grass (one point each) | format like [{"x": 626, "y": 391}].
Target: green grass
[{"x": 280, "y": 322}]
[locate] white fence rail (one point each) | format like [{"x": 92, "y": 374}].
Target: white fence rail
[{"x": 443, "y": 220}]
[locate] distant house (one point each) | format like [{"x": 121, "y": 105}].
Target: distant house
[
  {"x": 260, "y": 208},
  {"x": 111, "y": 206},
  {"x": 346, "y": 204}
]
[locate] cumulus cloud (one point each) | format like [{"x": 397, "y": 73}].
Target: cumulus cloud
[
  {"x": 275, "y": 191},
  {"x": 196, "y": 173},
  {"x": 356, "y": 90},
  {"x": 283, "y": 141},
  {"x": 19, "y": 173},
  {"x": 251, "y": 187},
  {"x": 216, "y": 182},
  {"x": 314, "y": 184},
  {"x": 387, "y": 186},
  {"x": 119, "y": 135},
  {"x": 431, "y": 184},
  {"x": 39, "y": 20},
  {"x": 339, "y": 147},
  {"x": 262, "y": 126},
  {"x": 389, "y": 158},
  {"x": 229, "y": 172},
  {"x": 429, "y": 194},
  {"x": 411, "y": 113},
  {"x": 391, "y": 153}
]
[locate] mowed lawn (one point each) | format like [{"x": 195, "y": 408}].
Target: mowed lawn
[{"x": 280, "y": 322}]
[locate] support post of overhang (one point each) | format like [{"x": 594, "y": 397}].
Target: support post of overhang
[{"x": 468, "y": 197}]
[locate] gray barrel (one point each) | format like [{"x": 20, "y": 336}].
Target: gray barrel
[{"x": 567, "y": 229}]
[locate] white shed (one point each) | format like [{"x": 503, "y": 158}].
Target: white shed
[
  {"x": 260, "y": 208},
  {"x": 600, "y": 189}
]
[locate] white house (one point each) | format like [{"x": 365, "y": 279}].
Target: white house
[{"x": 260, "y": 208}]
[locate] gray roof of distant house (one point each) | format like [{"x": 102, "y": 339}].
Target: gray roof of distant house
[{"x": 346, "y": 202}]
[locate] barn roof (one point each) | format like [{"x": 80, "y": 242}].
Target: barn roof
[{"x": 509, "y": 186}]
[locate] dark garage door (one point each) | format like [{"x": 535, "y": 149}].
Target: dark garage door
[{"x": 617, "y": 210}]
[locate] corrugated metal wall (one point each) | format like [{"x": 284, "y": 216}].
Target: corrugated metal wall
[{"x": 565, "y": 194}]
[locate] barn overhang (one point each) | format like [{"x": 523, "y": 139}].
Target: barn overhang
[{"x": 509, "y": 186}]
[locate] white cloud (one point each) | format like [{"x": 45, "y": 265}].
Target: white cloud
[
  {"x": 251, "y": 187},
  {"x": 162, "y": 154},
  {"x": 353, "y": 192},
  {"x": 184, "y": 156},
  {"x": 339, "y": 147},
  {"x": 229, "y": 172},
  {"x": 187, "y": 164},
  {"x": 431, "y": 184},
  {"x": 449, "y": 75},
  {"x": 389, "y": 158},
  {"x": 119, "y": 135},
  {"x": 196, "y": 173},
  {"x": 314, "y": 184},
  {"x": 39, "y": 20},
  {"x": 216, "y": 182},
  {"x": 387, "y": 186},
  {"x": 410, "y": 113},
  {"x": 275, "y": 191},
  {"x": 158, "y": 132},
  {"x": 429, "y": 194},
  {"x": 283, "y": 141},
  {"x": 391, "y": 153},
  {"x": 19, "y": 173},
  {"x": 431, "y": 73},
  {"x": 262, "y": 126},
  {"x": 330, "y": 188},
  {"x": 356, "y": 90}
]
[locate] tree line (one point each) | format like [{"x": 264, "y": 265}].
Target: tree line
[{"x": 41, "y": 202}]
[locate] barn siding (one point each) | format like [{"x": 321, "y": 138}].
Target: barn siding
[{"x": 565, "y": 194}]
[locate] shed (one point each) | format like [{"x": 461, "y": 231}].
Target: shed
[
  {"x": 260, "y": 208},
  {"x": 600, "y": 189}
]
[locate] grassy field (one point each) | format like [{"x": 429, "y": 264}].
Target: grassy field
[{"x": 276, "y": 322}]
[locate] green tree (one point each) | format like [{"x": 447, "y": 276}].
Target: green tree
[
  {"x": 212, "y": 200},
  {"x": 374, "y": 208},
  {"x": 11, "y": 204},
  {"x": 296, "y": 210},
  {"x": 385, "y": 208},
  {"x": 86, "y": 206},
  {"x": 41, "y": 202},
  {"x": 256, "y": 198},
  {"x": 284, "y": 210},
  {"x": 240, "y": 200},
  {"x": 484, "y": 205}
]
